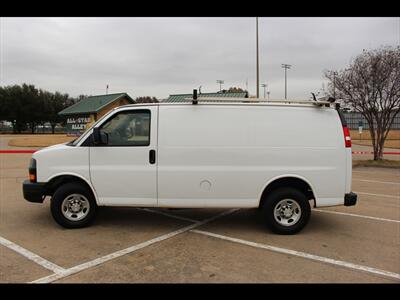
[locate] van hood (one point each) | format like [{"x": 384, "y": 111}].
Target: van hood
[{"x": 52, "y": 148}]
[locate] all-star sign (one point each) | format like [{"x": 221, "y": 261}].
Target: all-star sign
[
  {"x": 83, "y": 113},
  {"x": 78, "y": 123}
]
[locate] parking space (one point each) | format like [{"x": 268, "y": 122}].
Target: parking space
[
  {"x": 340, "y": 244},
  {"x": 192, "y": 257},
  {"x": 371, "y": 187},
  {"x": 15, "y": 268},
  {"x": 333, "y": 236}
]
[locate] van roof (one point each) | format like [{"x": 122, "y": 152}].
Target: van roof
[{"x": 240, "y": 102}]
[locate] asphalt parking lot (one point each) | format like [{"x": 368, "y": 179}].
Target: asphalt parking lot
[{"x": 340, "y": 244}]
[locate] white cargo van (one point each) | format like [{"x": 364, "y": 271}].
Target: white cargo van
[{"x": 276, "y": 155}]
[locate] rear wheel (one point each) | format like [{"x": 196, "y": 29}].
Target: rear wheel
[
  {"x": 73, "y": 205},
  {"x": 286, "y": 210}
]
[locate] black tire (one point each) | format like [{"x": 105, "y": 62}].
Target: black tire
[
  {"x": 62, "y": 193},
  {"x": 274, "y": 198}
]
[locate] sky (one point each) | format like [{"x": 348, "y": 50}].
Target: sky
[{"x": 163, "y": 56}]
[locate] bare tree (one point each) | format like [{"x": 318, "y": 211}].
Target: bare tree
[
  {"x": 146, "y": 99},
  {"x": 235, "y": 89},
  {"x": 371, "y": 86}
]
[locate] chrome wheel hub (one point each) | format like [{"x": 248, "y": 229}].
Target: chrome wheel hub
[
  {"x": 75, "y": 207},
  {"x": 287, "y": 212}
]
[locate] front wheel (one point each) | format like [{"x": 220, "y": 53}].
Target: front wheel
[
  {"x": 73, "y": 205},
  {"x": 286, "y": 211}
]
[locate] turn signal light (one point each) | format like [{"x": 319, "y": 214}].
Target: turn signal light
[
  {"x": 32, "y": 177},
  {"x": 32, "y": 170}
]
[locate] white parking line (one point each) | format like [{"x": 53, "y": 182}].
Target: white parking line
[
  {"x": 355, "y": 215},
  {"x": 128, "y": 250},
  {"x": 379, "y": 195},
  {"x": 303, "y": 255},
  {"x": 32, "y": 256},
  {"x": 385, "y": 182}
]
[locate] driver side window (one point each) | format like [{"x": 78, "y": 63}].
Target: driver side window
[{"x": 128, "y": 128}]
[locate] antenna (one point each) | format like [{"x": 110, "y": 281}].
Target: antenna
[{"x": 194, "y": 97}]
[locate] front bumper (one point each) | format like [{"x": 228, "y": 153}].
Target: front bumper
[
  {"x": 34, "y": 191},
  {"x": 350, "y": 199}
]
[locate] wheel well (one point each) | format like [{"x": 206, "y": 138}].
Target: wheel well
[
  {"x": 56, "y": 182},
  {"x": 293, "y": 182}
]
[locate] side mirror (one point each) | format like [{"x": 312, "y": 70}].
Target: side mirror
[{"x": 99, "y": 137}]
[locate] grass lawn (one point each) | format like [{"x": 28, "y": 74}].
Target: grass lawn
[
  {"x": 42, "y": 140},
  {"x": 388, "y": 143},
  {"x": 384, "y": 163}
]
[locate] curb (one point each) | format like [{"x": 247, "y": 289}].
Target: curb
[{"x": 18, "y": 151}]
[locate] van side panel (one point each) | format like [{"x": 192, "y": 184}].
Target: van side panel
[{"x": 223, "y": 156}]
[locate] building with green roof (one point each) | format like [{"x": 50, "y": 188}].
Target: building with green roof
[
  {"x": 83, "y": 113},
  {"x": 222, "y": 94}
]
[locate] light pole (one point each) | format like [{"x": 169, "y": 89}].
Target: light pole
[
  {"x": 264, "y": 85},
  {"x": 286, "y": 66},
  {"x": 221, "y": 82},
  {"x": 258, "y": 82}
]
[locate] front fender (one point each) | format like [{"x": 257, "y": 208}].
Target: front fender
[{"x": 71, "y": 174}]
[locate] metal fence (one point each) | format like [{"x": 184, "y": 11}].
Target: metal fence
[{"x": 353, "y": 120}]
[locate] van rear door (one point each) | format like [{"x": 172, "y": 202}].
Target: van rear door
[{"x": 347, "y": 145}]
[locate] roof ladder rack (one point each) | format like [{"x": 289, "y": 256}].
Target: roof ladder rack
[{"x": 195, "y": 100}]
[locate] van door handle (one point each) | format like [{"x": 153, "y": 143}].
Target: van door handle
[{"x": 152, "y": 156}]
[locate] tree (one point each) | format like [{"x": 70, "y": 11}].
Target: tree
[
  {"x": 371, "y": 86},
  {"x": 25, "y": 104},
  {"x": 17, "y": 106},
  {"x": 32, "y": 112},
  {"x": 146, "y": 99},
  {"x": 53, "y": 104},
  {"x": 235, "y": 89}
]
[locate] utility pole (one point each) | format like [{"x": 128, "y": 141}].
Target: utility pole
[
  {"x": 286, "y": 66},
  {"x": 264, "y": 85},
  {"x": 221, "y": 82},
  {"x": 258, "y": 82}
]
